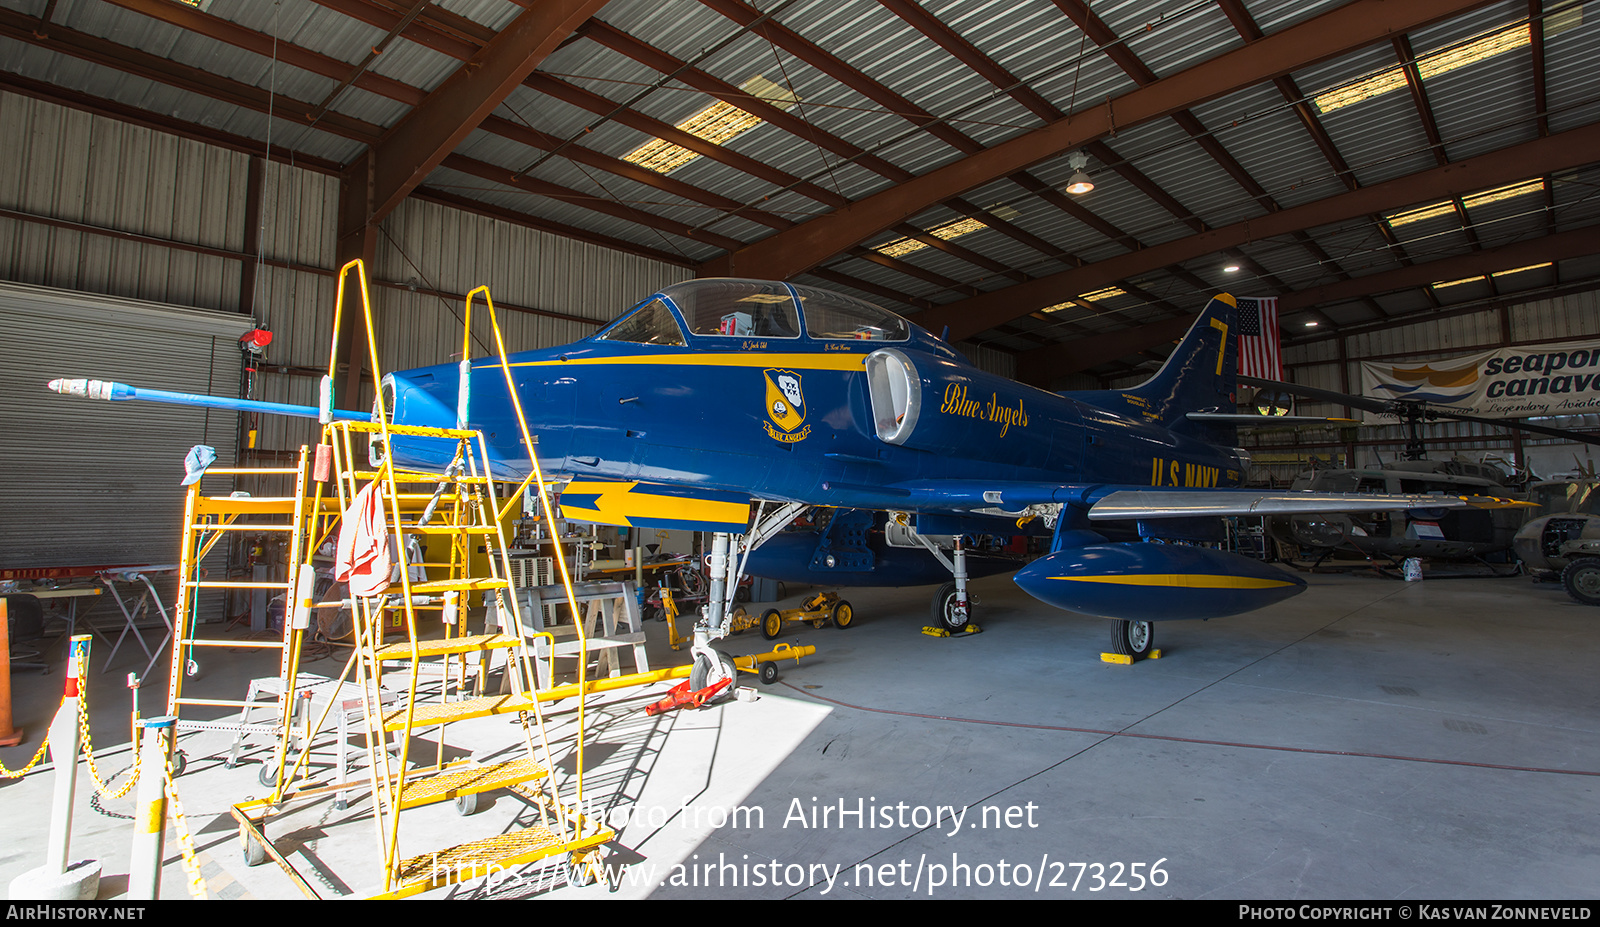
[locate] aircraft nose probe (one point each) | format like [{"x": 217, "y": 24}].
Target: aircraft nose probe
[{"x": 120, "y": 392}]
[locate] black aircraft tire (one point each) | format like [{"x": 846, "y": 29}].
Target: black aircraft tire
[
  {"x": 1133, "y": 638},
  {"x": 701, "y": 675},
  {"x": 254, "y": 853},
  {"x": 1581, "y": 579},
  {"x": 944, "y": 604}
]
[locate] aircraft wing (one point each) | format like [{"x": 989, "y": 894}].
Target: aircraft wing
[
  {"x": 1108, "y": 501},
  {"x": 1178, "y": 503}
]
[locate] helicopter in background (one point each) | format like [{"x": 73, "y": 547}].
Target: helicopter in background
[
  {"x": 1562, "y": 540},
  {"x": 1454, "y": 534},
  {"x": 1446, "y": 534}
]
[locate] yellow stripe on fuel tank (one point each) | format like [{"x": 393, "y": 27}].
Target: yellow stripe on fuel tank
[{"x": 1183, "y": 580}]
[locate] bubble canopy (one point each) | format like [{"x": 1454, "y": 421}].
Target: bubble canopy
[{"x": 765, "y": 309}]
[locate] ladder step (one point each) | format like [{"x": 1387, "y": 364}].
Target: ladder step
[
  {"x": 434, "y": 648},
  {"x": 431, "y": 713},
  {"x": 467, "y": 778},
  {"x": 240, "y": 526},
  {"x": 417, "y": 431},
  {"x": 246, "y": 505},
  {"x": 407, "y": 476},
  {"x": 232, "y": 727},
  {"x": 457, "y": 585},
  {"x": 449, "y": 529},
  {"x": 476, "y": 859}
]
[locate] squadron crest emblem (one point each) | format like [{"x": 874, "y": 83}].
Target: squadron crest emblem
[{"x": 786, "y": 407}]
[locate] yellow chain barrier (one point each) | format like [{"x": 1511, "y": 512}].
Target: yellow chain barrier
[
  {"x": 197, "y": 883},
  {"x": 88, "y": 745},
  {"x": 19, "y": 773}
]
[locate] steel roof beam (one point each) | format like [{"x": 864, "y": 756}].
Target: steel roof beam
[
  {"x": 188, "y": 18},
  {"x": 534, "y": 185},
  {"x": 1558, "y": 247},
  {"x": 410, "y": 150},
  {"x": 1347, "y": 28},
  {"x": 1044, "y": 366},
  {"x": 654, "y": 58},
  {"x": 166, "y": 71},
  {"x": 824, "y": 61},
  {"x": 1572, "y": 148}
]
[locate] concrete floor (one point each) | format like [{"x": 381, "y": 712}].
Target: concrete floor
[{"x": 1370, "y": 739}]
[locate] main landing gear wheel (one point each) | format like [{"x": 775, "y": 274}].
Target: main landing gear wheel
[
  {"x": 704, "y": 674},
  {"x": 944, "y": 609},
  {"x": 771, "y": 624},
  {"x": 843, "y": 615},
  {"x": 1133, "y": 638},
  {"x": 1582, "y": 580}
]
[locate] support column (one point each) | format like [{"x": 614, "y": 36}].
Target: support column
[
  {"x": 150, "y": 820},
  {"x": 59, "y": 879}
]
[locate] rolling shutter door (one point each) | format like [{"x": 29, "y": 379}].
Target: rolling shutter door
[{"x": 91, "y": 482}]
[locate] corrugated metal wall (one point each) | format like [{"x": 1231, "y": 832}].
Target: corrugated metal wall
[
  {"x": 91, "y": 482},
  {"x": 66, "y": 165}
]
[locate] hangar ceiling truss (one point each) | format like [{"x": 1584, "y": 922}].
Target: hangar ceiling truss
[{"x": 915, "y": 151}]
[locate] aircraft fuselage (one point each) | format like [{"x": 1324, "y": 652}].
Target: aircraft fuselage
[{"x": 702, "y": 414}]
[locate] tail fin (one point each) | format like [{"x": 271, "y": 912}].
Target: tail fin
[{"x": 1201, "y": 375}]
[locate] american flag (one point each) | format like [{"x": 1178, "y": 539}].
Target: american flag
[{"x": 1258, "y": 339}]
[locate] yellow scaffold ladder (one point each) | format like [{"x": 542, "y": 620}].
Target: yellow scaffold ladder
[
  {"x": 207, "y": 520},
  {"x": 455, "y": 505}
]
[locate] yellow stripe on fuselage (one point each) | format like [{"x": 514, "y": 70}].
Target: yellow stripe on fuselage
[
  {"x": 1184, "y": 580},
  {"x": 822, "y": 361}
]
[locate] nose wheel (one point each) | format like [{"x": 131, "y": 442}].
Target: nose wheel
[{"x": 705, "y": 673}]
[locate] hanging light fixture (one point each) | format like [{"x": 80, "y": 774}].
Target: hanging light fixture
[{"x": 1079, "y": 183}]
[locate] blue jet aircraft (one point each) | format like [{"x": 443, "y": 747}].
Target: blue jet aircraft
[
  {"x": 717, "y": 393},
  {"x": 716, "y": 396}
]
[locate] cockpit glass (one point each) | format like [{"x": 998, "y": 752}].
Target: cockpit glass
[
  {"x": 834, "y": 316},
  {"x": 737, "y": 308},
  {"x": 651, "y": 323}
]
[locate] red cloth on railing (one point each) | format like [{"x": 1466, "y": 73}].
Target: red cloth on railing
[{"x": 362, "y": 556}]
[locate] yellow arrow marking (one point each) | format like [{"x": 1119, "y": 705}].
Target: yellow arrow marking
[{"x": 617, "y": 504}]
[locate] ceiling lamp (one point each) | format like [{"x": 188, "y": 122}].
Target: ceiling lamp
[{"x": 1079, "y": 183}]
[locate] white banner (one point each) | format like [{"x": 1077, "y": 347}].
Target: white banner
[{"x": 1546, "y": 379}]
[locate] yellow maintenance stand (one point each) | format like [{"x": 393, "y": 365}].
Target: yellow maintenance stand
[
  {"x": 456, "y": 506},
  {"x": 207, "y": 520}
]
